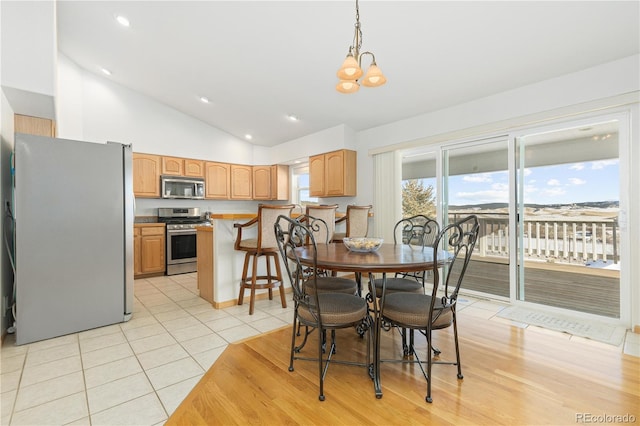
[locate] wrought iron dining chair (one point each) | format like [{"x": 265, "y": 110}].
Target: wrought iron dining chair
[
  {"x": 317, "y": 310},
  {"x": 435, "y": 311},
  {"x": 418, "y": 230},
  {"x": 320, "y": 229}
]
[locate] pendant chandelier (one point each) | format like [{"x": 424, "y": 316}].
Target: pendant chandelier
[{"x": 351, "y": 70}]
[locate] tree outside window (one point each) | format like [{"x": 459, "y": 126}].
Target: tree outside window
[{"x": 418, "y": 198}]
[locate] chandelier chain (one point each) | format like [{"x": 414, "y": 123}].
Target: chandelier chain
[{"x": 357, "y": 37}]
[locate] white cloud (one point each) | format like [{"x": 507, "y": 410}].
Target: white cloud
[
  {"x": 577, "y": 181},
  {"x": 480, "y": 177},
  {"x": 577, "y": 166},
  {"x": 553, "y": 192},
  {"x": 553, "y": 182},
  {"x": 500, "y": 186},
  {"x": 597, "y": 165},
  {"x": 490, "y": 196}
]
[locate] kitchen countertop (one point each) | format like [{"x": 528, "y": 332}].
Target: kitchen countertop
[
  {"x": 234, "y": 216},
  {"x": 145, "y": 219}
]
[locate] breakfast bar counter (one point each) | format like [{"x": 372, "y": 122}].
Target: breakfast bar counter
[{"x": 219, "y": 264}]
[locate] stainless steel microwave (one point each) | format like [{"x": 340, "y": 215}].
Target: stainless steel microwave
[{"x": 182, "y": 187}]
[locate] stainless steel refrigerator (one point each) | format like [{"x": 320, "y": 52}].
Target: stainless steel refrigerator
[{"x": 74, "y": 208}]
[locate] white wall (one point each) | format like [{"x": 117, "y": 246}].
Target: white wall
[
  {"x": 29, "y": 66},
  {"x": 326, "y": 140},
  {"x": 95, "y": 109}
]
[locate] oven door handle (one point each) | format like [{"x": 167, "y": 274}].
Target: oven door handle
[{"x": 181, "y": 231}]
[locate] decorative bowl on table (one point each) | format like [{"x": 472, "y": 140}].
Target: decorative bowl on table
[{"x": 363, "y": 244}]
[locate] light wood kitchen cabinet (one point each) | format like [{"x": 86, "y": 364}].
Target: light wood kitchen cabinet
[
  {"x": 241, "y": 182},
  {"x": 176, "y": 166},
  {"x": 137, "y": 251},
  {"x": 333, "y": 174},
  {"x": 193, "y": 168},
  {"x": 146, "y": 175},
  {"x": 172, "y": 166},
  {"x": 217, "y": 180},
  {"x": 223, "y": 181},
  {"x": 262, "y": 182},
  {"x": 205, "y": 252},
  {"x": 280, "y": 182},
  {"x": 271, "y": 182},
  {"x": 34, "y": 125},
  {"x": 149, "y": 249}
]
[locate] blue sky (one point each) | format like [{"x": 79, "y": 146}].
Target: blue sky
[{"x": 558, "y": 184}]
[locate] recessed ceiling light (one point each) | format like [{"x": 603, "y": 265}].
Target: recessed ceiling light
[
  {"x": 106, "y": 71},
  {"x": 204, "y": 99},
  {"x": 123, "y": 21},
  {"x": 293, "y": 117},
  {"x": 248, "y": 137}
]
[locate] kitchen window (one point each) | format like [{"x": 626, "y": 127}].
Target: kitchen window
[{"x": 301, "y": 186}]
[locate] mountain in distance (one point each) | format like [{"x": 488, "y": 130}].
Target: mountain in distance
[{"x": 569, "y": 206}]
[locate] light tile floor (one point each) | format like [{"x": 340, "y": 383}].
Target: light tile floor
[{"x": 138, "y": 372}]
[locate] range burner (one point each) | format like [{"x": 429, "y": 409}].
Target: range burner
[{"x": 181, "y": 218}]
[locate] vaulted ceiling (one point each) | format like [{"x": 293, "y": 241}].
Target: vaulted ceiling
[{"x": 258, "y": 61}]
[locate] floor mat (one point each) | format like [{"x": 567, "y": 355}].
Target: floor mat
[{"x": 611, "y": 334}]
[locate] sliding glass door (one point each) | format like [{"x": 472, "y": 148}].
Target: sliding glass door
[
  {"x": 475, "y": 180},
  {"x": 568, "y": 196},
  {"x": 549, "y": 202}
]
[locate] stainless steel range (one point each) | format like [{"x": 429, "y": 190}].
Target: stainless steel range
[{"x": 181, "y": 238}]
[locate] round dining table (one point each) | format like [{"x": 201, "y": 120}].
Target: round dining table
[{"x": 389, "y": 258}]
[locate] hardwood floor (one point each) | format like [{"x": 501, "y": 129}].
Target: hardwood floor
[{"x": 512, "y": 376}]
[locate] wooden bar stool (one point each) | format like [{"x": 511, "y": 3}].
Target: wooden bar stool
[
  {"x": 264, "y": 246},
  {"x": 328, "y": 214},
  {"x": 357, "y": 220}
]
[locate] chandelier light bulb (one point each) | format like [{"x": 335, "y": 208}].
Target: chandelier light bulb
[
  {"x": 350, "y": 70},
  {"x": 347, "y": 86},
  {"x": 374, "y": 77}
]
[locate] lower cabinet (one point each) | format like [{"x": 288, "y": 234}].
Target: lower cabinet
[{"x": 149, "y": 247}]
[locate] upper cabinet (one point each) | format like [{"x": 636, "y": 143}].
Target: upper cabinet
[
  {"x": 217, "y": 180},
  {"x": 223, "y": 181},
  {"x": 176, "y": 166},
  {"x": 280, "y": 182},
  {"x": 146, "y": 175},
  {"x": 261, "y": 182},
  {"x": 333, "y": 174},
  {"x": 271, "y": 182},
  {"x": 34, "y": 125},
  {"x": 194, "y": 168},
  {"x": 241, "y": 182}
]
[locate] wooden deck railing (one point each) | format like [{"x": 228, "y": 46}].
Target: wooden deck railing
[{"x": 570, "y": 240}]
